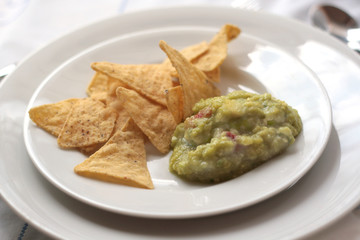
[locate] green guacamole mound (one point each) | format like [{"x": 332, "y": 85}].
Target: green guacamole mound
[{"x": 230, "y": 135}]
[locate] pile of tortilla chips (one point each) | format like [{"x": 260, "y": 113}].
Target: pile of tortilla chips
[{"x": 130, "y": 104}]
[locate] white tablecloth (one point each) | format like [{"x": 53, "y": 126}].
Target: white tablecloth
[{"x": 26, "y": 25}]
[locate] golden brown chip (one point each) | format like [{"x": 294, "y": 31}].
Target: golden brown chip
[
  {"x": 192, "y": 52},
  {"x": 193, "y": 81},
  {"x": 151, "y": 80},
  {"x": 111, "y": 99},
  {"x": 97, "y": 87},
  {"x": 52, "y": 117},
  {"x": 175, "y": 102},
  {"x": 114, "y": 102},
  {"x": 122, "y": 118},
  {"x": 217, "y": 52},
  {"x": 156, "y": 122},
  {"x": 214, "y": 75},
  {"x": 130, "y": 125},
  {"x": 88, "y": 150},
  {"x": 121, "y": 160},
  {"x": 89, "y": 122},
  {"x": 231, "y": 31}
]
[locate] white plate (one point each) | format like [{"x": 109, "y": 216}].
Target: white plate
[
  {"x": 252, "y": 64},
  {"x": 326, "y": 193}
]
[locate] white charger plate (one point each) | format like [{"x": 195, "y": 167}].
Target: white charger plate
[
  {"x": 313, "y": 203},
  {"x": 252, "y": 64}
]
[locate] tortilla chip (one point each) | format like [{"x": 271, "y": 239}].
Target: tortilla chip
[
  {"x": 88, "y": 150},
  {"x": 97, "y": 88},
  {"x": 217, "y": 52},
  {"x": 121, "y": 160},
  {"x": 111, "y": 98},
  {"x": 114, "y": 102},
  {"x": 193, "y": 81},
  {"x": 231, "y": 31},
  {"x": 52, "y": 117},
  {"x": 151, "y": 80},
  {"x": 89, "y": 122},
  {"x": 156, "y": 122},
  {"x": 214, "y": 75},
  {"x": 122, "y": 118},
  {"x": 192, "y": 52},
  {"x": 175, "y": 102}
]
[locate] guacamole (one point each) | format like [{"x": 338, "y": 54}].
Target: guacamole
[{"x": 230, "y": 135}]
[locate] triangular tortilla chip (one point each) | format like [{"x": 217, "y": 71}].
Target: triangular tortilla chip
[
  {"x": 122, "y": 118},
  {"x": 151, "y": 80},
  {"x": 52, "y": 117},
  {"x": 89, "y": 122},
  {"x": 214, "y": 75},
  {"x": 175, "y": 102},
  {"x": 111, "y": 98},
  {"x": 156, "y": 122},
  {"x": 88, "y": 150},
  {"x": 217, "y": 52},
  {"x": 193, "y": 81},
  {"x": 191, "y": 52},
  {"x": 97, "y": 88},
  {"x": 121, "y": 160}
]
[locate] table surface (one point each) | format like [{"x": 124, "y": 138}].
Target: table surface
[{"x": 29, "y": 19}]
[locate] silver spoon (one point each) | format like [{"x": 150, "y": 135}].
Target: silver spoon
[
  {"x": 338, "y": 23},
  {"x": 7, "y": 70}
]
